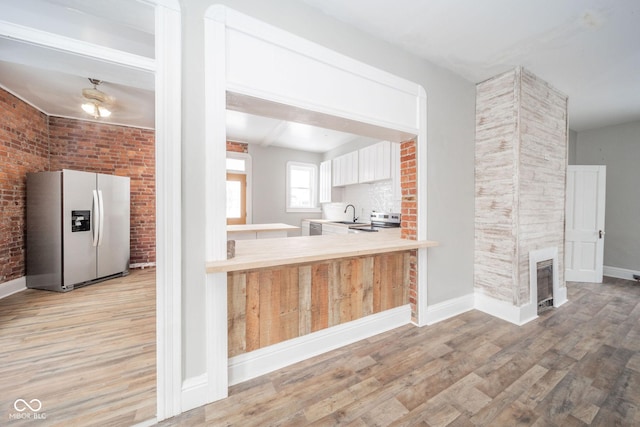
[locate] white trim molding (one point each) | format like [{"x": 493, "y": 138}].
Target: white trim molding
[
  {"x": 360, "y": 95},
  {"x": 559, "y": 293},
  {"x": 168, "y": 77},
  {"x": 75, "y": 47},
  {"x": 502, "y": 309},
  {"x": 194, "y": 391},
  {"x": 446, "y": 309},
  {"x": 620, "y": 273},
  {"x": 421, "y": 192},
  {"x": 142, "y": 265},
  {"x": 12, "y": 287},
  {"x": 529, "y": 311},
  {"x": 259, "y": 362}
]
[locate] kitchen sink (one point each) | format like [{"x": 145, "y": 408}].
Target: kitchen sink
[{"x": 350, "y": 222}]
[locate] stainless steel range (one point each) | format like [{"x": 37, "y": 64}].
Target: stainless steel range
[{"x": 380, "y": 220}]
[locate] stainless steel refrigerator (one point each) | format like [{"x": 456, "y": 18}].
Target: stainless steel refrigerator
[{"x": 77, "y": 228}]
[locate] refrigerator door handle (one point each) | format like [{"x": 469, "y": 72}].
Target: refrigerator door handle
[
  {"x": 96, "y": 218},
  {"x": 101, "y": 219}
]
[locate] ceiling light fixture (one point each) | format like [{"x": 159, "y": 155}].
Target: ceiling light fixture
[{"x": 95, "y": 101}]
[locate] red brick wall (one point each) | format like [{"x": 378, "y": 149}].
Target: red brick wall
[
  {"x": 409, "y": 184},
  {"x": 32, "y": 142},
  {"x": 23, "y": 148},
  {"x": 237, "y": 147},
  {"x": 114, "y": 150}
]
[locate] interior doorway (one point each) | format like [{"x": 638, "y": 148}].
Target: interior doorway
[
  {"x": 236, "y": 198},
  {"x": 158, "y": 76},
  {"x": 585, "y": 210}
]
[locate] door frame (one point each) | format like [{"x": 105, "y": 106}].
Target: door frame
[
  {"x": 246, "y": 157},
  {"x": 243, "y": 203},
  {"x": 167, "y": 68},
  {"x": 168, "y": 111},
  {"x": 600, "y": 214}
]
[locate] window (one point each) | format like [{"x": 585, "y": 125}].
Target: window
[
  {"x": 238, "y": 188},
  {"x": 302, "y": 187},
  {"x": 236, "y": 164}
]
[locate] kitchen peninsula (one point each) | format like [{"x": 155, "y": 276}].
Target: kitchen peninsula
[
  {"x": 280, "y": 289},
  {"x": 263, "y": 253}
]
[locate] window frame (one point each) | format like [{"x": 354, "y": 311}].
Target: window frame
[{"x": 315, "y": 207}]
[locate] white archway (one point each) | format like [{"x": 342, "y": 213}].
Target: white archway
[{"x": 234, "y": 43}]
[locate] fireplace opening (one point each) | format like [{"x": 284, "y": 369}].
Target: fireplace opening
[{"x": 544, "y": 275}]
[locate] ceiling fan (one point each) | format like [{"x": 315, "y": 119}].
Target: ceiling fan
[{"x": 96, "y": 100}]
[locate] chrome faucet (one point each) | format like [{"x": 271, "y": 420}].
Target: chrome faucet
[{"x": 355, "y": 218}]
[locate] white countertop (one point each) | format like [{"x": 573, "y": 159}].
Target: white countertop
[
  {"x": 243, "y": 228},
  {"x": 261, "y": 253}
]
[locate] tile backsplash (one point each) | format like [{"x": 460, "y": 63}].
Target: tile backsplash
[{"x": 377, "y": 196}]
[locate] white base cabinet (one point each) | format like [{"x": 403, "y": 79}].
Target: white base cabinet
[
  {"x": 305, "y": 228},
  {"x": 334, "y": 229}
]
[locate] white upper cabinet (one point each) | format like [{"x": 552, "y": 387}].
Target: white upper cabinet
[
  {"x": 324, "y": 192},
  {"x": 369, "y": 164},
  {"x": 375, "y": 162},
  {"x": 345, "y": 169}
]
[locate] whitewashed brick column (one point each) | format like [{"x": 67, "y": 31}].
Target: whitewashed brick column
[{"x": 521, "y": 160}]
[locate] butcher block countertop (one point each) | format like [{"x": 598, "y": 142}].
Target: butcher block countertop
[
  {"x": 262, "y": 253},
  {"x": 260, "y": 227}
]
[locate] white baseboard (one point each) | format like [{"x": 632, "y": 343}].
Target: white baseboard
[
  {"x": 504, "y": 310},
  {"x": 12, "y": 286},
  {"x": 450, "y": 308},
  {"x": 148, "y": 423},
  {"x": 259, "y": 362},
  {"x": 619, "y": 273},
  {"x": 194, "y": 392},
  {"x": 142, "y": 265},
  {"x": 560, "y": 296}
]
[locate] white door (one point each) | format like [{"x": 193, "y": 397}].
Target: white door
[{"x": 584, "y": 245}]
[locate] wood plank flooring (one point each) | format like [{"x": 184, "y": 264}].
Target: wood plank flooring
[
  {"x": 573, "y": 366},
  {"x": 88, "y": 355}
]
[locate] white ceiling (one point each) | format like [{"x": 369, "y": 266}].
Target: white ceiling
[
  {"x": 267, "y": 132},
  {"x": 586, "y": 48},
  {"x": 51, "y": 78}
]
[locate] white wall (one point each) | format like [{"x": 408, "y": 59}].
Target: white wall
[
  {"x": 269, "y": 183},
  {"x": 573, "y": 147},
  {"x": 617, "y": 147},
  {"x": 450, "y": 122}
]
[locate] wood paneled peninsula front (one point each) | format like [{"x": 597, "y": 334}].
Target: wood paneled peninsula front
[{"x": 279, "y": 289}]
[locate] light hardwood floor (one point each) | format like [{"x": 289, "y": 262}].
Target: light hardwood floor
[
  {"x": 573, "y": 366},
  {"x": 88, "y": 355}
]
